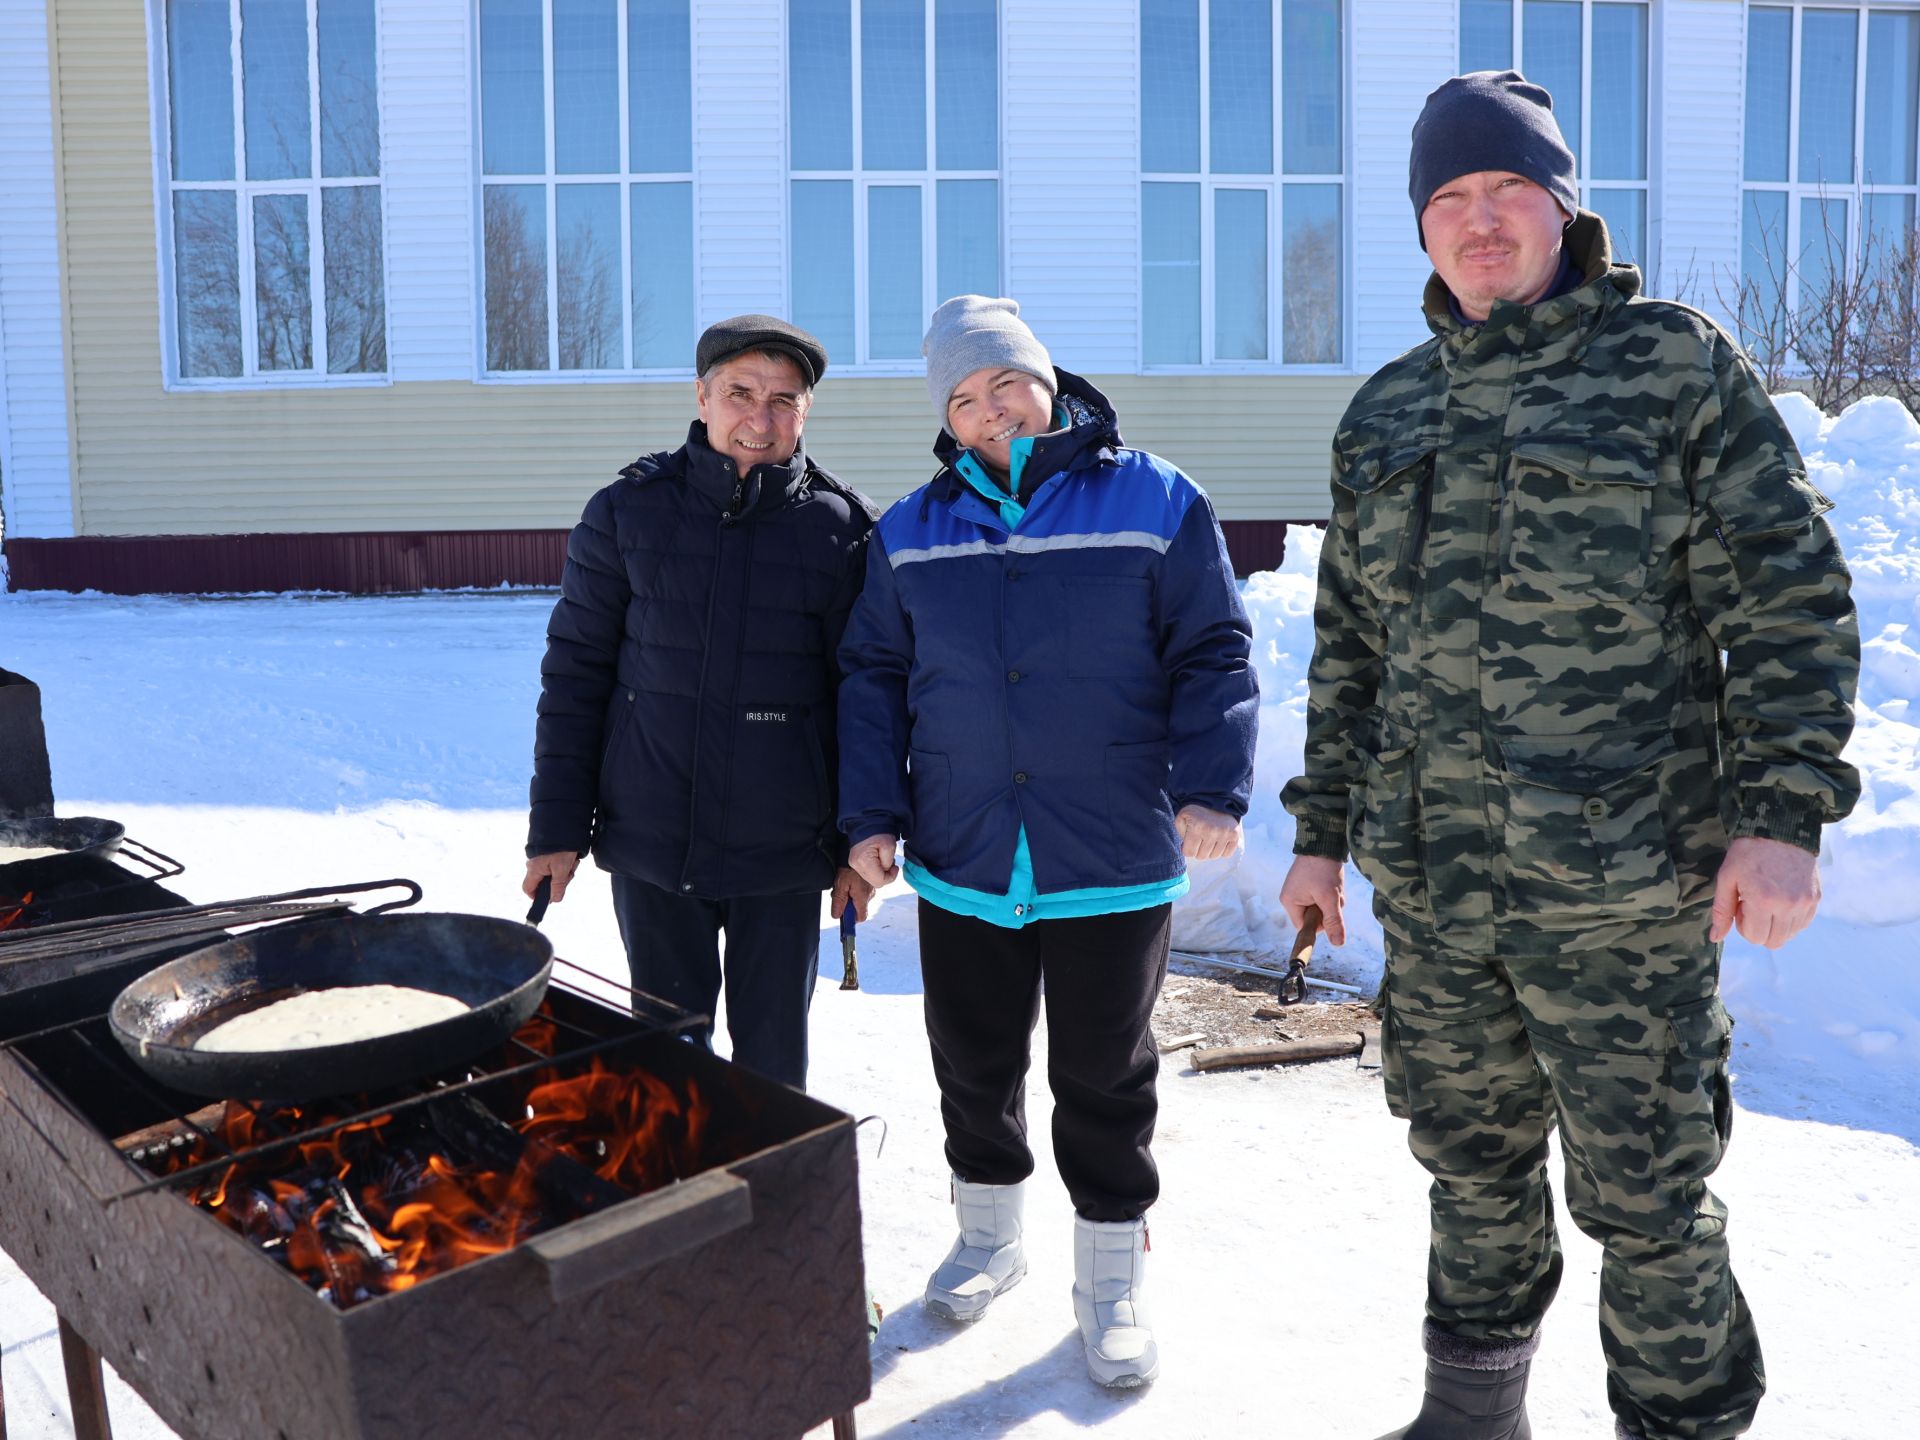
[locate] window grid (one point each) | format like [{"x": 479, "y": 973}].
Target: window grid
[
  {"x": 862, "y": 180},
  {"x": 1589, "y": 184},
  {"x": 1273, "y": 186},
  {"x": 245, "y": 192},
  {"x": 624, "y": 180},
  {"x": 1857, "y": 190}
]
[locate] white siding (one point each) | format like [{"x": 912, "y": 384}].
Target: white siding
[
  {"x": 1402, "y": 49},
  {"x": 37, "y": 493},
  {"x": 1071, "y": 151},
  {"x": 1700, "y": 72},
  {"x": 740, "y": 158},
  {"x": 426, "y": 104}
]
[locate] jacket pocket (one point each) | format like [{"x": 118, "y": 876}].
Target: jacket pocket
[
  {"x": 1383, "y": 816},
  {"x": 1585, "y": 839},
  {"x": 614, "y": 728},
  {"x": 779, "y": 790},
  {"x": 1574, "y": 518},
  {"x": 930, "y": 786},
  {"x": 1702, "y": 1106},
  {"x": 1110, "y": 627},
  {"x": 1138, "y": 808},
  {"x": 1392, "y": 489}
]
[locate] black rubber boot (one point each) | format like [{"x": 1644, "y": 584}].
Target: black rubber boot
[{"x": 1465, "y": 1404}]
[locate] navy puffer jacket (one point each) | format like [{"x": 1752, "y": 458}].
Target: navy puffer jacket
[{"x": 686, "y": 725}]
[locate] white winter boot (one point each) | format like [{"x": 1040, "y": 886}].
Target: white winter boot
[
  {"x": 987, "y": 1257},
  {"x": 1109, "y": 1272}
]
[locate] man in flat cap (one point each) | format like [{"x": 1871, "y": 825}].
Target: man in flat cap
[
  {"x": 1584, "y": 665},
  {"x": 686, "y": 731}
]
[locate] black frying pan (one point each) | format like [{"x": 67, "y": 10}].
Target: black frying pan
[
  {"x": 74, "y": 835},
  {"x": 498, "y": 967}
]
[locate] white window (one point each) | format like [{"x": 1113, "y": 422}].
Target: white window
[
  {"x": 1243, "y": 182},
  {"x": 893, "y": 125},
  {"x": 586, "y": 141},
  {"x": 1833, "y": 126},
  {"x": 1591, "y": 55},
  {"x": 273, "y": 236}
]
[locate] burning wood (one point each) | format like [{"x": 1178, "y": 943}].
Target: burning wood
[
  {"x": 12, "y": 911},
  {"x": 375, "y": 1207}
]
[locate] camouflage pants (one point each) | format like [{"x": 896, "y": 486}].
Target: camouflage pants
[{"x": 1626, "y": 1048}]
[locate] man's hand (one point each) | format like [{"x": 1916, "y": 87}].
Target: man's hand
[
  {"x": 1316, "y": 880},
  {"x": 1769, "y": 888},
  {"x": 849, "y": 884},
  {"x": 1206, "y": 834},
  {"x": 560, "y": 864},
  {"x": 872, "y": 859}
]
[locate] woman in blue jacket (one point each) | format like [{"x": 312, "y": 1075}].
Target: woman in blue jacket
[{"x": 1048, "y": 696}]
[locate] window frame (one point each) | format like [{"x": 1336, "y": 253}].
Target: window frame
[
  {"x": 1856, "y": 191},
  {"x": 862, "y": 180},
  {"x": 1273, "y": 185},
  {"x": 622, "y": 180},
  {"x": 1586, "y": 184},
  {"x": 245, "y": 191}
]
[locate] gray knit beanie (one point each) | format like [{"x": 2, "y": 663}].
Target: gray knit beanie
[
  {"x": 973, "y": 332},
  {"x": 1489, "y": 120}
]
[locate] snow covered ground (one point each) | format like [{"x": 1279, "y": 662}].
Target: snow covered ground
[{"x": 278, "y": 742}]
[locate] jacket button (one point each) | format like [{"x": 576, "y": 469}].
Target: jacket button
[
  {"x": 1013, "y": 677},
  {"x": 1596, "y": 808},
  {"x": 1013, "y": 574},
  {"x": 1020, "y": 777},
  {"x": 686, "y": 887},
  {"x": 629, "y": 697},
  {"x": 1019, "y": 910}
]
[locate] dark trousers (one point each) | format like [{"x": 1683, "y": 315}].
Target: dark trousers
[
  {"x": 1100, "y": 976},
  {"x": 773, "y": 956}
]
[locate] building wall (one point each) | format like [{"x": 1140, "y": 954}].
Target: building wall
[
  {"x": 1701, "y": 47},
  {"x": 36, "y": 489},
  {"x": 436, "y": 450}
]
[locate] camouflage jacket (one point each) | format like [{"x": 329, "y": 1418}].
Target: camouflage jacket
[{"x": 1547, "y": 530}]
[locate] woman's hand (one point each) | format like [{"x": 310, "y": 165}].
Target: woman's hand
[
  {"x": 872, "y": 859},
  {"x": 560, "y": 864},
  {"x": 1206, "y": 834}
]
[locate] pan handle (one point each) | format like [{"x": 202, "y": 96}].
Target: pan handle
[
  {"x": 613, "y": 1244},
  {"x": 542, "y": 898}
]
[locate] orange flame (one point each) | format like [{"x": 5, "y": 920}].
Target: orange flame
[
  {"x": 376, "y": 1207},
  {"x": 11, "y": 911}
]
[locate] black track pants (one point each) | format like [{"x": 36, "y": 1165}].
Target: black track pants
[{"x": 1100, "y": 976}]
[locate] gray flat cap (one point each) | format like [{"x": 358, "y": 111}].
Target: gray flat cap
[{"x": 725, "y": 339}]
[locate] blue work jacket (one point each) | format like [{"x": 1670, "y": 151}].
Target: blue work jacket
[{"x": 1076, "y": 676}]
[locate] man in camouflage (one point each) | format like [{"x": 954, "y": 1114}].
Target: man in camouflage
[{"x": 1550, "y": 523}]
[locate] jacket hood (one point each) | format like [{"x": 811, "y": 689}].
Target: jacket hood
[
  {"x": 1606, "y": 283},
  {"x": 710, "y": 474},
  {"x": 1092, "y": 433}
]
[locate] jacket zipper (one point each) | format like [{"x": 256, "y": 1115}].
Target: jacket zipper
[{"x": 699, "y": 707}]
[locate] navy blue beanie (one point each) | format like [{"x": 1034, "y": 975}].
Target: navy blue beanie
[{"x": 1489, "y": 120}]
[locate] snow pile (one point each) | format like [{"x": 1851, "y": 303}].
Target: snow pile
[{"x": 1846, "y": 994}]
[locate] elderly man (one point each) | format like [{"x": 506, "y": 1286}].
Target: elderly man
[
  {"x": 1550, "y": 524},
  {"x": 686, "y": 726}
]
